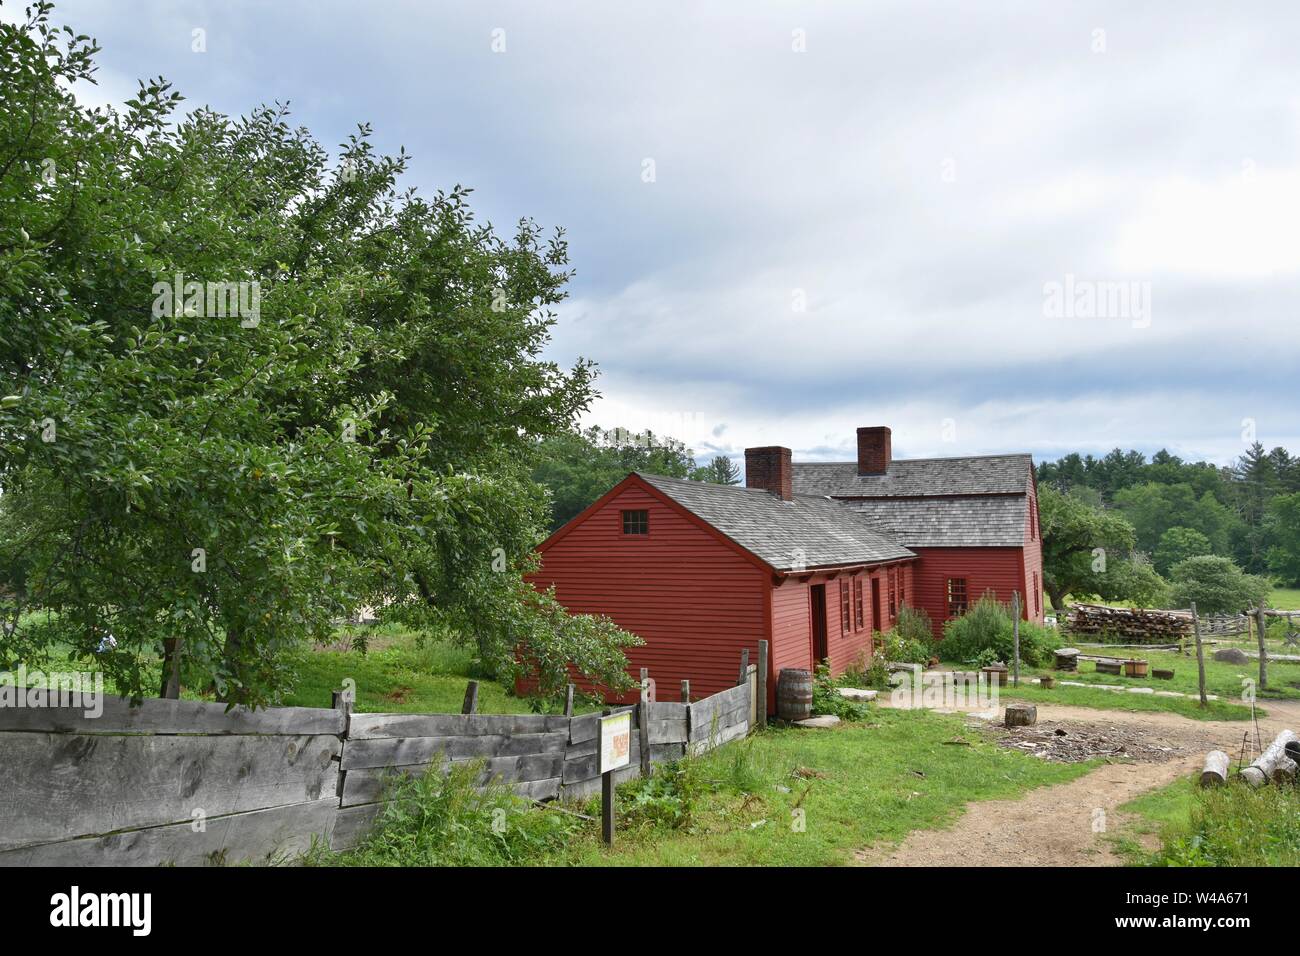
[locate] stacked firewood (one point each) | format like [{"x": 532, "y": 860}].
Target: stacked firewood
[{"x": 1138, "y": 624}]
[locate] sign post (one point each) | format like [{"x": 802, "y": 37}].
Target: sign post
[{"x": 615, "y": 752}]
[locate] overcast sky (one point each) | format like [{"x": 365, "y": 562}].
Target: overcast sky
[{"x": 791, "y": 219}]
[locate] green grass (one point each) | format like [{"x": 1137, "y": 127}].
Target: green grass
[
  {"x": 1223, "y": 679},
  {"x": 394, "y": 676},
  {"x": 1117, "y": 700},
  {"x": 872, "y": 783},
  {"x": 1222, "y": 826},
  {"x": 1286, "y": 599},
  {"x": 397, "y": 676}
]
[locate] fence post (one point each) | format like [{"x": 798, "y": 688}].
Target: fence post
[
  {"x": 762, "y": 683},
  {"x": 471, "y": 698},
  {"x": 643, "y": 718},
  {"x": 744, "y": 666},
  {"x": 1015, "y": 638},
  {"x": 1200, "y": 654},
  {"x": 568, "y": 701},
  {"x": 686, "y": 692},
  {"x": 1262, "y": 627}
]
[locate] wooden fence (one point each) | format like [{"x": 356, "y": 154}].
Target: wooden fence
[{"x": 185, "y": 782}]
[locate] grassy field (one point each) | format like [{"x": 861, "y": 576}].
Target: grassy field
[
  {"x": 1285, "y": 599},
  {"x": 397, "y": 676},
  {"x": 1115, "y": 700},
  {"x": 1221, "y": 678},
  {"x": 1227, "y": 826},
  {"x": 857, "y": 785},
  {"x": 393, "y": 675},
  {"x": 784, "y": 797}
]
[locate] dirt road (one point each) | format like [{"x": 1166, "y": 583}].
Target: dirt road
[{"x": 1066, "y": 825}]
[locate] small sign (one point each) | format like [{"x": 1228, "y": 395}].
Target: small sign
[{"x": 615, "y": 741}]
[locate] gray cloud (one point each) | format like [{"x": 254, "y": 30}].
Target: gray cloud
[{"x": 914, "y": 178}]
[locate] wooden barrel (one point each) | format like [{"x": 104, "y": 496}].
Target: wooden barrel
[{"x": 794, "y": 694}]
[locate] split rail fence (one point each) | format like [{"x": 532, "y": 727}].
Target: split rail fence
[{"x": 188, "y": 783}]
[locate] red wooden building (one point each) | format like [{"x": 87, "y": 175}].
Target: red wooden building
[{"x": 811, "y": 557}]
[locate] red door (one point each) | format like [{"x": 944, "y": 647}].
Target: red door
[{"x": 821, "y": 650}]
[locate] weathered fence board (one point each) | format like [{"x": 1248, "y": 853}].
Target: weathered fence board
[
  {"x": 405, "y": 751},
  {"x": 171, "y": 717},
  {"x": 366, "y": 785},
  {"x": 258, "y": 836},
  {"x": 375, "y": 726},
  {"x": 68, "y": 785},
  {"x": 191, "y": 783}
]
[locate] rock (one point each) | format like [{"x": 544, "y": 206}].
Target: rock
[
  {"x": 825, "y": 720},
  {"x": 1141, "y": 690},
  {"x": 1232, "y": 655},
  {"x": 857, "y": 693}
]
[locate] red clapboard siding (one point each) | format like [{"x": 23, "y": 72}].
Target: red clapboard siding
[
  {"x": 1001, "y": 570},
  {"x": 693, "y": 598}
]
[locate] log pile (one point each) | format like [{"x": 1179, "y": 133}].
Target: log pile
[
  {"x": 1138, "y": 624},
  {"x": 1273, "y": 764}
]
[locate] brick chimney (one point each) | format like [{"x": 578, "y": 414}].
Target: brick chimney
[
  {"x": 873, "y": 450},
  {"x": 769, "y": 468}
]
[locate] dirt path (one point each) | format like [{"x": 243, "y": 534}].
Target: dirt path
[{"x": 1065, "y": 825}]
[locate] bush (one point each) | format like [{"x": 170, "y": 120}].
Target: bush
[
  {"x": 915, "y": 625},
  {"x": 987, "y": 627},
  {"x": 448, "y": 820},
  {"x": 1216, "y": 585},
  {"x": 827, "y": 699}
]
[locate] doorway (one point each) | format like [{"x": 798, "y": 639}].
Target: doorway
[{"x": 820, "y": 649}]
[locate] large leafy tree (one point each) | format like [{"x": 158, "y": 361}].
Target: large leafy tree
[
  {"x": 1088, "y": 550},
  {"x": 1215, "y": 585},
  {"x": 215, "y": 471}
]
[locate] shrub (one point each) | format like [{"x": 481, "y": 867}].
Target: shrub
[
  {"x": 915, "y": 625},
  {"x": 827, "y": 699},
  {"x": 438, "y": 819},
  {"x": 1216, "y": 585},
  {"x": 987, "y": 627}
]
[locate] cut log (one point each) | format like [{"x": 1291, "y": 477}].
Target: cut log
[
  {"x": 1215, "y": 773},
  {"x": 1284, "y": 772},
  {"x": 1261, "y": 770},
  {"x": 1021, "y": 715}
]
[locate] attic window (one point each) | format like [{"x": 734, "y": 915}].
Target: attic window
[
  {"x": 956, "y": 597},
  {"x": 636, "y": 522}
]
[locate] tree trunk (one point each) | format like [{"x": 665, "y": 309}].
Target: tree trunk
[
  {"x": 171, "y": 669},
  {"x": 1057, "y": 597}
]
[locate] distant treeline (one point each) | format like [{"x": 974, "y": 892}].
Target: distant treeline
[{"x": 1249, "y": 511}]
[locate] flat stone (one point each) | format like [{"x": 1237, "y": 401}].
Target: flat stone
[
  {"x": 825, "y": 720},
  {"x": 858, "y": 693},
  {"x": 1141, "y": 690},
  {"x": 1168, "y": 693}
]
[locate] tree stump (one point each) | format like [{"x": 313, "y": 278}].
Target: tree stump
[
  {"x": 1215, "y": 773},
  {"x": 1021, "y": 715}
]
